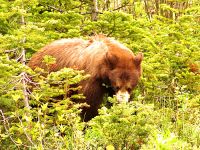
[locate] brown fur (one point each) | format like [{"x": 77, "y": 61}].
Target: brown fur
[
  {"x": 105, "y": 59},
  {"x": 193, "y": 67}
]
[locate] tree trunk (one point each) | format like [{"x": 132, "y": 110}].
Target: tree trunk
[{"x": 94, "y": 10}]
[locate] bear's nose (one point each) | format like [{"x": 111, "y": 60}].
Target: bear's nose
[{"x": 122, "y": 96}]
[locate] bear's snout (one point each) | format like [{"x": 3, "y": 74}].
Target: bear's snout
[{"x": 122, "y": 96}]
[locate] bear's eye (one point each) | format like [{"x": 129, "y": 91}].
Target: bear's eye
[{"x": 129, "y": 89}]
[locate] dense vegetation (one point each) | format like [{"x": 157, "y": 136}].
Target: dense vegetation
[{"x": 165, "y": 109}]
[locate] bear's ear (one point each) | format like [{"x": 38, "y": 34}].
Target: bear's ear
[
  {"x": 138, "y": 59},
  {"x": 111, "y": 60}
]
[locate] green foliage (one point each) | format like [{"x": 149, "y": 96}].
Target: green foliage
[
  {"x": 164, "y": 112},
  {"x": 110, "y": 23},
  {"x": 123, "y": 126},
  {"x": 53, "y": 120},
  {"x": 10, "y": 84}
]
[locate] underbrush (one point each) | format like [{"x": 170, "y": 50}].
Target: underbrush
[{"x": 53, "y": 123}]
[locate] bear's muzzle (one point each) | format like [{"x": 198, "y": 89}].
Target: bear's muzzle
[{"x": 122, "y": 96}]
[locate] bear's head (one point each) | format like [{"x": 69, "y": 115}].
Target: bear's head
[{"x": 124, "y": 73}]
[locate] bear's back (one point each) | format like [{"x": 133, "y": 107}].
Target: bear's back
[{"x": 78, "y": 53}]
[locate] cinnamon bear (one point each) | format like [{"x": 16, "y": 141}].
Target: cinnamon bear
[{"x": 106, "y": 60}]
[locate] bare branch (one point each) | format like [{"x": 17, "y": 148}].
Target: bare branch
[
  {"x": 25, "y": 131},
  {"x": 11, "y": 50},
  {"x": 58, "y": 9},
  {"x": 6, "y": 126},
  {"x": 122, "y": 6},
  {"x": 25, "y": 92},
  {"x": 23, "y": 60}
]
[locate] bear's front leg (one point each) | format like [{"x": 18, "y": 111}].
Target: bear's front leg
[{"x": 93, "y": 91}]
